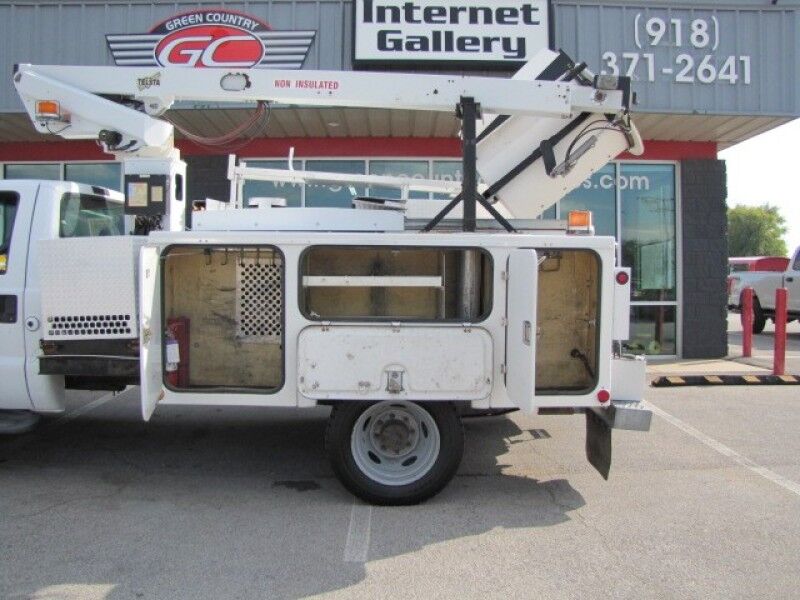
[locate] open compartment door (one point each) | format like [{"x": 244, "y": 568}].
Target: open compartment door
[
  {"x": 150, "y": 330},
  {"x": 521, "y": 286}
]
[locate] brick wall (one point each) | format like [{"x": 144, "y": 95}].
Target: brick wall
[{"x": 705, "y": 258}]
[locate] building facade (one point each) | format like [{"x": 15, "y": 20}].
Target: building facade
[{"x": 707, "y": 75}]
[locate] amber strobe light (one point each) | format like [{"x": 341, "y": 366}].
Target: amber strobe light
[
  {"x": 580, "y": 221},
  {"x": 48, "y": 110}
]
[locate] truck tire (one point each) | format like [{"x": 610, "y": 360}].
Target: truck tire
[
  {"x": 394, "y": 453},
  {"x": 759, "y": 320}
]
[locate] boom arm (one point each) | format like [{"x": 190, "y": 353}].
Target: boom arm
[
  {"x": 557, "y": 123},
  {"x": 79, "y": 91}
]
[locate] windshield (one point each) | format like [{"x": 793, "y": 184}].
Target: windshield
[{"x": 83, "y": 215}]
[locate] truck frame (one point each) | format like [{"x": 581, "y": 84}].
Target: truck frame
[{"x": 399, "y": 330}]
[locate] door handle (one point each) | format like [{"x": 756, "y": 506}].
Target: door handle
[
  {"x": 790, "y": 279},
  {"x": 8, "y": 309},
  {"x": 527, "y": 330}
]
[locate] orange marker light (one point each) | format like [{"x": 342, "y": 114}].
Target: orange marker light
[
  {"x": 48, "y": 110},
  {"x": 580, "y": 221}
]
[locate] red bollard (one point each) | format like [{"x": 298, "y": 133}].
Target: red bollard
[
  {"x": 779, "y": 356},
  {"x": 747, "y": 322}
]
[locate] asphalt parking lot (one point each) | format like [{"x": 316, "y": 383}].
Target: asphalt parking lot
[{"x": 240, "y": 503}]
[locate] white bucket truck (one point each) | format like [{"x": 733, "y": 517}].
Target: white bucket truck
[{"x": 399, "y": 328}]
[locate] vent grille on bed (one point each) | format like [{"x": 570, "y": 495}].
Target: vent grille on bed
[
  {"x": 259, "y": 299},
  {"x": 89, "y": 325}
]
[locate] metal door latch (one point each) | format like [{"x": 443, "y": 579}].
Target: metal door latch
[{"x": 394, "y": 382}]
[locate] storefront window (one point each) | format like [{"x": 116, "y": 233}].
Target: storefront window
[
  {"x": 648, "y": 229},
  {"x": 597, "y": 194},
  {"x": 107, "y": 175},
  {"x": 33, "y": 171},
  {"x": 549, "y": 213},
  {"x": 336, "y": 195},
  {"x": 413, "y": 169},
  {"x": 652, "y": 330},
  {"x": 291, "y": 192},
  {"x": 446, "y": 170}
]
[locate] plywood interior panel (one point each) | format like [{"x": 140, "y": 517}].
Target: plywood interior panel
[
  {"x": 201, "y": 284},
  {"x": 400, "y": 303},
  {"x": 568, "y": 315}
]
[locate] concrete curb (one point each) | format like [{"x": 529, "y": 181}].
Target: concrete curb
[{"x": 690, "y": 380}]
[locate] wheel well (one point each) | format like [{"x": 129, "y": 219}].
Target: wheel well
[{"x": 741, "y": 298}]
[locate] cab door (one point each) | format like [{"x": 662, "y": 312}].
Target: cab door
[
  {"x": 521, "y": 285},
  {"x": 16, "y": 209},
  {"x": 150, "y": 330}
]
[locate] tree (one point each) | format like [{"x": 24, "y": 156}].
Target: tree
[{"x": 756, "y": 231}]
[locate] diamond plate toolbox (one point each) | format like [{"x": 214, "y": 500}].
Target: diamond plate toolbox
[{"x": 89, "y": 287}]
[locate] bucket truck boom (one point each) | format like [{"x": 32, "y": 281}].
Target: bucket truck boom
[{"x": 533, "y": 119}]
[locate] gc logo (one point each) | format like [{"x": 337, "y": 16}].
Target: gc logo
[{"x": 209, "y": 46}]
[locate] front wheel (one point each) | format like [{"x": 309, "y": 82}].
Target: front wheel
[{"x": 394, "y": 453}]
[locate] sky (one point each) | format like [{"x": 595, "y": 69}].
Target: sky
[{"x": 766, "y": 168}]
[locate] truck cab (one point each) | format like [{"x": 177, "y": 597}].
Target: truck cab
[
  {"x": 764, "y": 283},
  {"x": 32, "y": 212}
]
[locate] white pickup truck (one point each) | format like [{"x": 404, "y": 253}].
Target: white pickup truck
[
  {"x": 86, "y": 307},
  {"x": 764, "y": 284},
  {"x": 398, "y": 329}
]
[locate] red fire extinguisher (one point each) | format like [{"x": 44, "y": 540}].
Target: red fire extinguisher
[{"x": 177, "y": 352}]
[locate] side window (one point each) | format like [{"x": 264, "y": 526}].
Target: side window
[
  {"x": 398, "y": 284},
  {"x": 83, "y": 215},
  {"x": 8, "y": 210},
  {"x": 796, "y": 265}
]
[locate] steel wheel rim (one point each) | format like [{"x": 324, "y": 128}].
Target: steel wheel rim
[{"x": 395, "y": 443}]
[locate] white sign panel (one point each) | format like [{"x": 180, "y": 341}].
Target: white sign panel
[{"x": 447, "y": 31}]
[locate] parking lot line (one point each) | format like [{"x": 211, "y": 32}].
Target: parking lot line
[
  {"x": 721, "y": 448},
  {"x": 356, "y": 548}
]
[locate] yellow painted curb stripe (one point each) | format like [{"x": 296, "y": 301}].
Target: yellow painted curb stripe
[
  {"x": 788, "y": 378},
  {"x": 751, "y": 379},
  {"x": 713, "y": 379},
  {"x": 676, "y": 380}
]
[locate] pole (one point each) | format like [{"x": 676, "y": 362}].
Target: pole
[
  {"x": 747, "y": 322},
  {"x": 468, "y": 110},
  {"x": 779, "y": 354}
]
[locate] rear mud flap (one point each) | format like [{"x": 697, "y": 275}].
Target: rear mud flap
[{"x": 598, "y": 443}]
